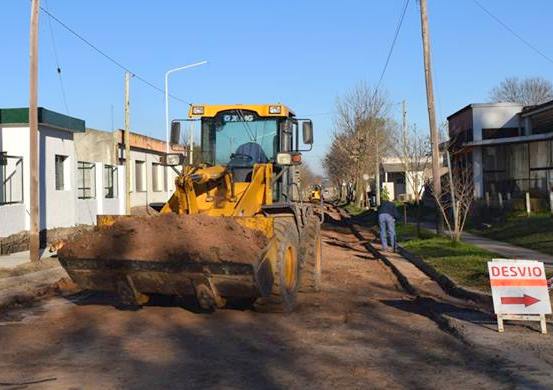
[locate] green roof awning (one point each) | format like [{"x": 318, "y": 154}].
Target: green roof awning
[{"x": 20, "y": 116}]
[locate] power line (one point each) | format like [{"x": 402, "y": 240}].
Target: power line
[
  {"x": 396, "y": 34},
  {"x": 518, "y": 36},
  {"x": 109, "y": 58},
  {"x": 58, "y": 67}
]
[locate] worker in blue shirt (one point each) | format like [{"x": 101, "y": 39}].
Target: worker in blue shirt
[{"x": 387, "y": 215}]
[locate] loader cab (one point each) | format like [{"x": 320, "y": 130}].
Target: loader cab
[{"x": 240, "y": 136}]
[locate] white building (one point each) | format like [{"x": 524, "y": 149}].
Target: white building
[
  {"x": 71, "y": 191},
  {"x": 150, "y": 181},
  {"x": 403, "y": 181}
]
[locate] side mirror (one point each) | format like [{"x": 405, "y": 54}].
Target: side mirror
[
  {"x": 307, "y": 130},
  {"x": 175, "y": 133}
]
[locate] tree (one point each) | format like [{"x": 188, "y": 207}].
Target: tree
[
  {"x": 362, "y": 134},
  {"x": 528, "y": 92},
  {"x": 455, "y": 199}
]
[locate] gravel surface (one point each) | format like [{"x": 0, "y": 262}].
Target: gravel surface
[{"x": 361, "y": 331}]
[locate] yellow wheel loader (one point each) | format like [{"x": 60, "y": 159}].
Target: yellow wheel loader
[
  {"x": 315, "y": 195},
  {"x": 250, "y": 156}
]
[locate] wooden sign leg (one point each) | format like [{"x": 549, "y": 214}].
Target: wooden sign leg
[
  {"x": 543, "y": 324},
  {"x": 500, "y": 328}
]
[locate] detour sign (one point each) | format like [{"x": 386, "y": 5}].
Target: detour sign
[{"x": 519, "y": 287}]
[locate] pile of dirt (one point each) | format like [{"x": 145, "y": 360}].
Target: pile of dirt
[
  {"x": 19, "y": 242},
  {"x": 169, "y": 237}
]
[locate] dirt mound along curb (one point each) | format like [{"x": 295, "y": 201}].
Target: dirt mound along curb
[{"x": 170, "y": 237}]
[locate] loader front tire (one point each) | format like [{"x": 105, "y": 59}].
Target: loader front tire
[
  {"x": 311, "y": 252},
  {"x": 286, "y": 269}
]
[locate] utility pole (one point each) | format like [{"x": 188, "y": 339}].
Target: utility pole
[
  {"x": 191, "y": 144},
  {"x": 377, "y": 168},
  {"x": 127, "y": 146},
  {"x": 404, "y": 119},
  {"x": 34, "y": 237},
  {"x": 434, "y": 136}
]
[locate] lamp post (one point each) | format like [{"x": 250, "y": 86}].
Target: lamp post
[{"x": 167, "y": 123}]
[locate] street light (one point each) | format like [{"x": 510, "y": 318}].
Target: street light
[{"x": 167, "y": 123}]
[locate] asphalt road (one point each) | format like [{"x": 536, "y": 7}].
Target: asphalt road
[{"x": 361, "y": 331}]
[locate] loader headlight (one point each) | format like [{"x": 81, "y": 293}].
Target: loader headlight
[
  {"x": 172, "y": 160},
  {"x": 275, "y": 109},
  {"x": 288, "y": 159},
  {"x": 198, "y": 110}
]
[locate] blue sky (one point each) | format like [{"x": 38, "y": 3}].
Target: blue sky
[{"x": 302, "y": 53}]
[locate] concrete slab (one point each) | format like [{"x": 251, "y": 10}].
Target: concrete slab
[{"x": 15, "y": 259}]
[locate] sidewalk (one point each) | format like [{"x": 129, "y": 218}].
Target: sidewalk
[
  {"x": 19, "y": 258},
  {"x": 501, "y": 248},
  {"x": 22, "y": 281}
]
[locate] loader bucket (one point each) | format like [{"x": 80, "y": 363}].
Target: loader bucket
[{"x": 171, "y": 254}]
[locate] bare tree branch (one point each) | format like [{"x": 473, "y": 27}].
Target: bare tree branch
[{"x": 528, "y": 92}]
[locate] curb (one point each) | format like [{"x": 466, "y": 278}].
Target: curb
[
  {"x": 400, "y": 277},
  {"x": 445, "y": 282},
  {"x": 448, "y": 285}
]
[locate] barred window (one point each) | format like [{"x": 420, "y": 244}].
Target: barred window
[
  {"x": 110, "y": 181},
  {"x": 86, "y": 180},
  {"x": 11, "y": 179}
]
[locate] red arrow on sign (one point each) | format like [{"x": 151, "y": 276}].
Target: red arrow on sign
[{"x": 525, "y": 300}]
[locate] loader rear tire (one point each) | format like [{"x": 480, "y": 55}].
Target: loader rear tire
[
  {"x": 311, "y": 252},
  {"x": 286, "y": 271}
]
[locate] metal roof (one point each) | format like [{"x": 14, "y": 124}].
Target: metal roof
[
  {"x": 510, "y": 140},
  {"x": 20, "y": 116}
]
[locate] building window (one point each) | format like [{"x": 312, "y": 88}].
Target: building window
[
  {"x": 158, "y": 178},
  {"x": 502, "y": 132},
  {"x": 140, "y": 176},
  {"x": 110, "y": 181},
  {"x": 62, "y": 171},
  {"x": 86, "y": 180},
  {"x": 11, "y": 179}
]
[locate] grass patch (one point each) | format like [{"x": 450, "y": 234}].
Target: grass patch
[
  {"x": 464, "y": 263},
  {"x": 534, "y": 232},
  {"x": 353, "y": 210},
  {"x": 409, "y": 232}
]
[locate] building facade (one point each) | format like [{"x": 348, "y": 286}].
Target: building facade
[
  {"x": 150, "y": 181},
  {"x": 81, "y": 170},
  {"x": 508, "y": 146}
]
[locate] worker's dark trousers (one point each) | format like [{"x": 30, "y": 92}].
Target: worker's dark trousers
[{"x": 387, "y": 225}]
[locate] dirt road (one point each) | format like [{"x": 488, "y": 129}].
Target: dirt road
[{"x": 361, "y": 331}]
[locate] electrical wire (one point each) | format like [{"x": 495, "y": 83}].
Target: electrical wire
[
  {"x": 513, "y": 32},
  {"x": 389, "y": 56},
  {"x": 58, "y": 67},
  {"x": 109, "y": 58}
]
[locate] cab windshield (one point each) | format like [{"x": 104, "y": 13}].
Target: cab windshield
[{"x": 242, "y": 134}]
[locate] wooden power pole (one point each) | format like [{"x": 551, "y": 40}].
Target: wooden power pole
[
  {"x": 127, "y": 146},
  {"x": 434, "y": 136},
  {"x": 34, "y": 243}
]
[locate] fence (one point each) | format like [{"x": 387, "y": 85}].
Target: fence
[{"x": 11, "y": 179}]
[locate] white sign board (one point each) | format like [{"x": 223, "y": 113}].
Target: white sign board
[{"x": 519, "y": 287}]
